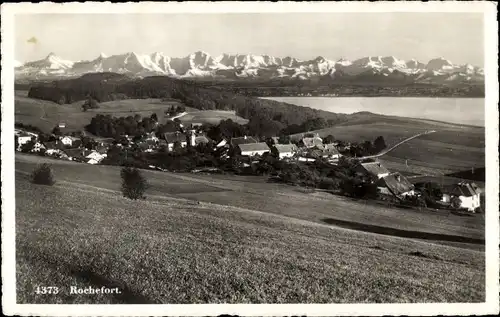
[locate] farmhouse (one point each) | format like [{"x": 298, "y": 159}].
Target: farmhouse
[
  {"x": 76, "y": 154},
  {"x": 95, "y": 157},
  {"x": 395, "y": 184},
  {"x": 462, "y": 195},
  {"x": 331, "y": 151},
  {"x": 201, "y": 139},
  {"x": 243, "y": 140},
  {"x": 284, "y": 150},
  {"x": 172, "y": 137},
  {"x": 251, "y": 149},
  {"x": 37, "y": 147},
  {"x": 24, "y": 138},
  {"x": 68, "y": 140},
  {"x": 374, "y": 168},
  {"x": 311, "y": 140}
]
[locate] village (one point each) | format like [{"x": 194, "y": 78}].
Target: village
[{"x": 303, "y": 148}]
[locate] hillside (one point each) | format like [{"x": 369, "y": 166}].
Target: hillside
[
  {"x": 198, "y": 239},
  {"x": 453, "y": 148},
  {"x": 109, "y": 87}
]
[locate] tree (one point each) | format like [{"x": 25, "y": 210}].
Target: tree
[
  {"x": 56, "y": 130},
  {"x": 154, "y": 117},
  {"x": 328, "y": 139},
  {"x": 133, "y": 183},
  {"x": 16, "y": 142},
  {"x": 28, "y": 146},
  {"x": 43, "y": 175},
  {"x": 379, "y": 144}
]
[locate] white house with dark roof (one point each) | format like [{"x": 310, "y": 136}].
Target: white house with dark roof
[
  {"x": 284, "y": 150},
  {"x": 374, "y": 169},
  {"x": 395, "y": 184},
  {"x": 308, "y": 140},
  {"x": 172, "y": 137},
  {"x": 68, "y": 140},
  {"x": 331, "y": 151},
  {"x": 467, "y": 197},
  {"x": 252, "y": 149},
  {"x": 24, "y": 138}
]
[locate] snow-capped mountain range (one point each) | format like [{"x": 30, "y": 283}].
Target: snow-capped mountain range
[{"x": 202, "y": 64}]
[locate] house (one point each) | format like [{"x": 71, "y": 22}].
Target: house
[
  {"x": 395, "y": 184},
  {"x": 331, "y": 151},
  {"x": 462, "y": 195},
  {"x": 78, "y": 155},
  {"x": 201, "y": 139},
  {"x": 251, "y": 149},
  {"x": 284, "y": 150},
  {"x": 172, "y": 137},
  {"x": 61, "y": 125},
  {"x": 54, "y": 145},
  {"x": 37, "y": 147},
  {"x": 95, "y": 157},
  {"x": 374, "y": 169},
  {"x": 242, "y": 140},
  {"x": 222, "y": 143},
  {"x": 311, "y": 140},
  {"x": 68, "y": 140},
  {"x": 24, "y": 138}
]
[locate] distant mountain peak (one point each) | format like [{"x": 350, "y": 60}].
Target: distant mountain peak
[{"x": 264, "y": 66}]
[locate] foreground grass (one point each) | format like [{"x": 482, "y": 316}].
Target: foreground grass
[
  {"x": 248, "y": 192},
  {"x": 171, "y": 250}
]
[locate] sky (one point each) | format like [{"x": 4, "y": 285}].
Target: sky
[{"x": 458, "y": 37}]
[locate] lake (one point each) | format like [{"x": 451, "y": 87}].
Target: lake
[{"x": 454, "y": 110}]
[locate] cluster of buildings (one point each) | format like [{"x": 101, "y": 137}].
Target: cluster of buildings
[
  {"x": 462, "y": 195},
  {"x": 307, "y": 147},
  {"x": 310, "y": 147},
  {"x": 63, "y": 147}
]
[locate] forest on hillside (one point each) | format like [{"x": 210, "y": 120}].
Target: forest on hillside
[{"x": 271, "y": 115}]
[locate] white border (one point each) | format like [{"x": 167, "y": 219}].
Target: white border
[{"x": 491, "y": 306}]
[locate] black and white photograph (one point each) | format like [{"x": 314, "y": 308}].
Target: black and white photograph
[{"x": 250, "y": 153}]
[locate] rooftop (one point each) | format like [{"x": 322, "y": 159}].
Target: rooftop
[
  {"x": 285, "y": 148},
  {"x": 375, "y": 168},
  {"x": 251, "y": 147},
  {"x": 242, "y": 140},
  {"x": 396, "y": 183},
  {"x": 172, "y": 137}
]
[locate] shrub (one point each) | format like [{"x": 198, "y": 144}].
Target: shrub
[
  {"x": 43, "y": 175},
  {"x": 133, "y": 183}
]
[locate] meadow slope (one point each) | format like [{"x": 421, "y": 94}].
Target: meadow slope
[
  {"x": 452, "y": 148},
  {"x": 200, "y": 239},
  {"x": 47, "y": 114}
]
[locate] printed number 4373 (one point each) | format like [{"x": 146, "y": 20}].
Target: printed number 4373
[{"x": 43, "y": 290}]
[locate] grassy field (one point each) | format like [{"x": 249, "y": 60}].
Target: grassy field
[
  {"x": 451, "y": 149},
  {"x": 212, "y": 117},
  {"x": 216, "y": 239},
  {"x": 47, "y": 114}
]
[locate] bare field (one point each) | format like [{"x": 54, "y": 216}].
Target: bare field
[{"x": 250, "y": 247}]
